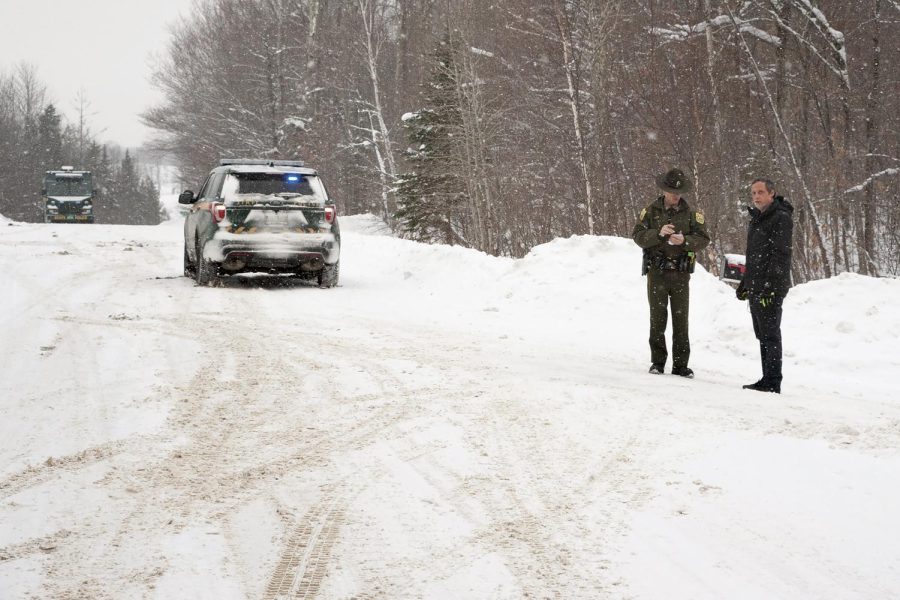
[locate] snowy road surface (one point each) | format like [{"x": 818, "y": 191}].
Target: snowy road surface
[{"x": 443, "y": 425}]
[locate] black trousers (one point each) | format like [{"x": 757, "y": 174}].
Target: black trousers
[
  {"x": 767, "y": 327},
  {"x": 665, "y": 288}
]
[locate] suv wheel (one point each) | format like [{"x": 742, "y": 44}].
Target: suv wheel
[
  {"x": 188, "y": 267},
  {"x": 206, "y": 272},
  {"x": 328, "y": 276}
]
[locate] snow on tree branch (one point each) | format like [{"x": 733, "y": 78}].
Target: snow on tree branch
[
  {"x": 862, "y": 186},
  {"x": 683, "y": 32},
  {"x": 475, "y": 50},
  {"x": 834, "y": 38}
]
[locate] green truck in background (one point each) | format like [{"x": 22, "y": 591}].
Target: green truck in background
[{"x": 68, "y": 196}]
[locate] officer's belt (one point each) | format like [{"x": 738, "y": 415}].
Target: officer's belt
[{"x": 663, "y": 263}]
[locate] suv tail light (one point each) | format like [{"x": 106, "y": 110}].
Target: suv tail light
[
  {"x": 329, "y": 214},
  {"x": 218, "y": 211}
]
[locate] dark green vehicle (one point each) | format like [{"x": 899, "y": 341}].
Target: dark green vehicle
[
  {"x": 262, "y": 216},
  {"x": 68, "y": 196}
]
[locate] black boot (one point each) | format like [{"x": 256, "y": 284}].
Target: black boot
[
  {"x": 764, "y": 386},
  {"x": 770, "y": 386},
  {"x": 683, "y": 372},
  {"x": 656, "y": 369}
]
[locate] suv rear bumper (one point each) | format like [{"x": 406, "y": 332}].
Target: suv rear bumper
[{"x": 236, "y": 253}]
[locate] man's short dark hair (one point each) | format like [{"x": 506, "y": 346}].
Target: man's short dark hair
[{"x": 770, "y": 185}]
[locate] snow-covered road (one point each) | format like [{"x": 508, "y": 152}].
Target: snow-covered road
[{"x": 443, "y": 425}]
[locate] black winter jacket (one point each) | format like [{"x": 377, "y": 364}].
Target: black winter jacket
[{"x": 768, "y": 259}]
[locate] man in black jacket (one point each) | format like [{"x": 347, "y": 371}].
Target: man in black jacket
[{"x": 767, "y": 276}]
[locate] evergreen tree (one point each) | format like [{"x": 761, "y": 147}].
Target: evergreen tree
[
  {"x": 27, "y": 174},
  {"x": 125, "y": 198},
  {"x": 48, "y": 145},
  {"x": 100, "y": 166},
  {"x": 429, "y": 196},
  {"x": 149, "y": 209}
]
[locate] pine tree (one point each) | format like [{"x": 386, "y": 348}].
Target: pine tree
[
  {"x": 430, "y": 195},
  {"x": 43, "y": 137},
  {"x": 150, "y": 211},
  {"x": 127, "y": 201},
  {"x": 98, "y": 163},
  {"x": 48, "y": 145}
]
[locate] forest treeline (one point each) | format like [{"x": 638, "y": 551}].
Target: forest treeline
[
  {"x": 502, "y": 125},
  {"x": 35, "y": 138}
]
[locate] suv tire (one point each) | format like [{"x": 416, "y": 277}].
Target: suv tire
[
  {"x": 206, "y": 272},
  {"x": 189, "y": 269},
  {"x": 328, "y": 276}
]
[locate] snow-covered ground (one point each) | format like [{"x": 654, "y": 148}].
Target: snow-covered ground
[{"x": 444, "y": 424}]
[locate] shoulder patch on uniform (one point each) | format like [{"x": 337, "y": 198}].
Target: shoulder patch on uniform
[
  {"x": 643, "y": 214},
  {"x": 699, "y": 217}
]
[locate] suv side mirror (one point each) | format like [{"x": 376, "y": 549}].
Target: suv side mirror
[{"x": 186, "y": 197}]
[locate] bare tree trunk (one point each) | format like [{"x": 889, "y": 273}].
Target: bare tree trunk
[
  {"x": 272, "y": 100},
  {"x": 369, "y": 10},
  {"x": 386, "y": 209},
  {"x": 713, "y": 250},
  {"x": 31, "y": 92},
  {"x": 710, "y": 73},
  {"x": 629, "y": 181},
  {"x": 867, "y": 261},
  {"x": 473, "y": 137},
  {"x": 81, "y": 108},
  {"x": 572, "y": 79}
]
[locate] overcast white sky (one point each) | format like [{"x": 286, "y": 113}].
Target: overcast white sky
[{"x": 104, "y": 46}]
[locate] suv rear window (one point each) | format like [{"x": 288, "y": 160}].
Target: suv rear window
[{"x": 271, "y": 183}]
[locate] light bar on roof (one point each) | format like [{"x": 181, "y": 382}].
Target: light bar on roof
[{"x": 253, "y": 161}]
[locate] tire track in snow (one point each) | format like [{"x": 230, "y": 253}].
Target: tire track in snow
[
  {"x": 530, "y": 506},
  {"x": 218, "y": 462},
  {"x": 41, "y": 545},
  {"x": 536, "y": 513},
  {"x": 304, "y": 563},
  {"x": 37, "y": 474},
  {"x": 307, "y": 555}
]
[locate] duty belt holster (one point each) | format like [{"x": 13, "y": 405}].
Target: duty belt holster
[
  {"x": 669, "y": 264},
  {"x": 680, "y": 264}
]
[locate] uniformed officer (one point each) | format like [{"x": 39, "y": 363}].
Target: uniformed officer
[{"x": 671, "y": 234}]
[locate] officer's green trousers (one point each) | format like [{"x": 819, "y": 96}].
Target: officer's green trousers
[{"x": 664, "y": 287}]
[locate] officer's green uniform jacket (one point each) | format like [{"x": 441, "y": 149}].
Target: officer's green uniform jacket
[
  {"x": 668, "y": 269},
  {"x": 652, "y": 219}
]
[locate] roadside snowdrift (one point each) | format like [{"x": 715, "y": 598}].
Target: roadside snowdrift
[{"x": 588, "y": 291}]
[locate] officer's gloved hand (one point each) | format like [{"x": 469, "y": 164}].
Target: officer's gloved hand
[
  {"x": 741, "y": 293},
  {"x": 767, "y": 299}
]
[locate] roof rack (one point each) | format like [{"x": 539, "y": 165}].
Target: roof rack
[{"x": 251, "y": 161}]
